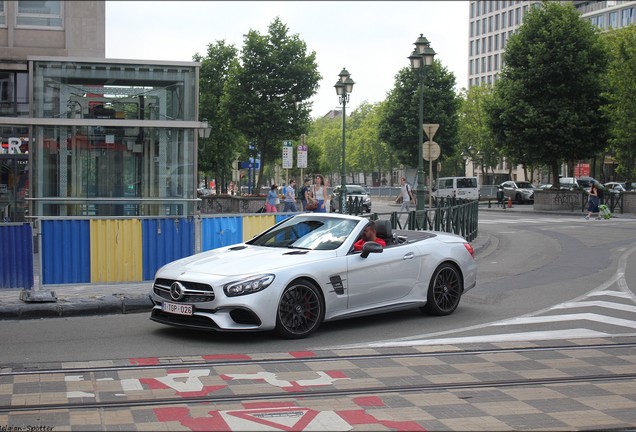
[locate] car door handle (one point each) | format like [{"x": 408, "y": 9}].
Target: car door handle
[{"x": 408, "y": 256}]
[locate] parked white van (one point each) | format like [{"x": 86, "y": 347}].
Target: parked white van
[{"x": 458, "y": 187}]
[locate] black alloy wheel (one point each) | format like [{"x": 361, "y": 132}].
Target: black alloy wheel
[
  {"x": 444, "y": 291},
  {"x": 300, "y": 310}
]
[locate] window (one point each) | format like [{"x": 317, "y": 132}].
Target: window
[
  {"x": 472, "y": 48},
  {"x": 613, "y": 19},
  {"x": 472, "y": 28},
  {"x": 518, "y": 16},
  {"x": 490, "y": 24},
  {"x": 626, "y": 17},
  {"x": 489, "y": 63},
  {"x": 39, "y": 13},
  {"x": 3, "y": 14},
  {"x": 477, "y": 28},
  {"x": 497, "y": 22},
  {"x": 511, "y": 18},
  {"x": 472, "y": 9},
  {"x": 490, "y": 43},
  {"x": 496, "y": 65},
  {"x": 496, "y": 42},
  {"x": 483, "y": 25},
  {"x": 471, "y": 67},
  {"x": 14, "y": 98},
  {"x": 477, "y": 47}
]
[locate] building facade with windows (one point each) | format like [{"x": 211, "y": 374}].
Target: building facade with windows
[
  {"x": 491, "y": 22},
  {"x": 83, "y": 135}
]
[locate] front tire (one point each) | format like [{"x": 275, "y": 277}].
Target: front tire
[
  {"x": 301, "y": 310},
  {"x": 444, "y": 291},
  {"x": 519, "y": 199}
]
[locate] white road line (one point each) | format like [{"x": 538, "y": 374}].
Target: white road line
[
  {"x": 568, "y": 317},
  {"x": 509, "y": 337}
]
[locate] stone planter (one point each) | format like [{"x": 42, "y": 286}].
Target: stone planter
[
  {"x": 575, "y": 201},
  {"x": 553, "y": 200},
  {"x": 219, "y": 204}
]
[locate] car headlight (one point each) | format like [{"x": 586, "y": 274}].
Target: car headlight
[{"x": 248, "y": 286}]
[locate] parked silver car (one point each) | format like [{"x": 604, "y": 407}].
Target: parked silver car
[
  {"x": 520, "y": 191},
  {"x": 353, "y": 191}
]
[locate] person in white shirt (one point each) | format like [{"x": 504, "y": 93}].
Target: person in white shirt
[{"x": 406, "y": 192}]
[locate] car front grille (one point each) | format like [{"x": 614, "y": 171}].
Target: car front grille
[{"x": 192, "y": 292}]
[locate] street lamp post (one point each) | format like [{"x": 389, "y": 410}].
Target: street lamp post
[
  {"x": 421, "y": 58},
  {"x": 344, "y": 86}
]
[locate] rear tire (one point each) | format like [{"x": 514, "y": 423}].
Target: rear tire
[
  {"x": 301, "y": 310},
  {"x": 444, "y": 291}
]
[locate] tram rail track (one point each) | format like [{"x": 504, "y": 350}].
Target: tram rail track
[{"x": 353, "y": 388}]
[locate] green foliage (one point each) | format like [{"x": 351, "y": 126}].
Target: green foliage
[
  {"x": 265, "y": 93},
  {"x": 547, "y": 102},
  {"x": 621, "y": 88},
  {"x": 216, "y": 153},
  {"x": 398, "y": 126},
  {"x": 476, "y": 140}
]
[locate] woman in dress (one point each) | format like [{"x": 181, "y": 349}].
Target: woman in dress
[{"x": 318, "y": 192}]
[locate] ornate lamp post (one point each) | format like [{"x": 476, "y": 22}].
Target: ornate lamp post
[
  {"x": 421, "y": 58},
  {"x": 344, "y": 86}
]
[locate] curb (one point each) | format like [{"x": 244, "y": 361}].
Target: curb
[{"x": 77, "y": 307}]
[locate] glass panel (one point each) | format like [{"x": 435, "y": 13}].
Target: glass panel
[
  {"x": 117, "y": 171},
  {"x": 14, "y": 100},
  {"x": 80, "y": 90},
  {"x": 39, "y": 13}
]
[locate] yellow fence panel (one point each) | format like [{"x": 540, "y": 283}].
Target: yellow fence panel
[
  {"x": 116, "y": 250},
  {"x": 256, "y": 224}
]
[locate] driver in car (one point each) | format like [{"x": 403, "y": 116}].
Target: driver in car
[{"x": 368, "y": 234}]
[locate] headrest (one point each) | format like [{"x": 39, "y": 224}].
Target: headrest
[{"x": 383, "y": 229}]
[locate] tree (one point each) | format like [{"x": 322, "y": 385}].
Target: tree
[
  {"x": 267, "y": 92},
  {"x": 216, "y": 153},
  {"x": 547, "y": 103},
  {"x": 476, "y": 140},
  {"x": 621, "y": 87},
  {"x": 398, "y": 127},
  {"x": 365, "y": 151}
]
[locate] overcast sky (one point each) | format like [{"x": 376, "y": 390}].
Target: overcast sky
[{"x": 371, "y": 39}]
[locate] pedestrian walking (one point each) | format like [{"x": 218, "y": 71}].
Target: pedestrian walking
[
  {"x": 592, "y": 202},
  {"x": 405, "y": 195},
  {"x": 272, "y": 199},
  {"x": 290, "y": 197}
]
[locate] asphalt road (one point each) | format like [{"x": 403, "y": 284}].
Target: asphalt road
[{"x": 533, "y": 266}]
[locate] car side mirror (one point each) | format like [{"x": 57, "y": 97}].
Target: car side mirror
[{"x": 370, "y": 247}]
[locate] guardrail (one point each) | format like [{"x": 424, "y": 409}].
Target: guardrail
[{"x": 457, "y": 216}]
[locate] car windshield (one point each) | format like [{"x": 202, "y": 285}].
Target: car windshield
[
  {"x": 354, "y": 190},
  {"x": 525, "y": 185},
  {"x": 307, "y": 233}
]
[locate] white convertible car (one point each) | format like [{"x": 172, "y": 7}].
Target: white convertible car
[{"x": 304, "y": 271}]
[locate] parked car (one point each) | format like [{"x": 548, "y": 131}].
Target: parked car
[
  {"x": 519, "y": 191},
  {"x": 353, "y": 191},
  {"x": 304, "y": 270},
  {"x": 615, "y": 187},
  {"x": 568, "y": 183}
]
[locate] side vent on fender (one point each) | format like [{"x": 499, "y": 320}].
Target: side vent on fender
[{"x": 336, "y": 283}]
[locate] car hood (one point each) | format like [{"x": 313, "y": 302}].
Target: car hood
[{"x": 243, "y": 259}]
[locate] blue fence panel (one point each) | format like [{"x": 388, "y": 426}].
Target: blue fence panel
[
  {"x": 165, "y": 240},
  {"x": 221, "y": 231},
  {"x": 66, "y": 251},
  {"x": 16, "y": 256}
]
